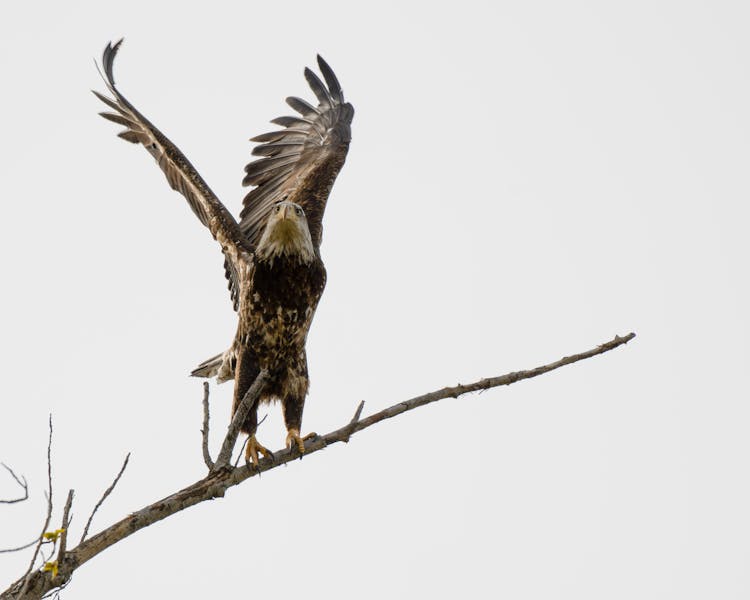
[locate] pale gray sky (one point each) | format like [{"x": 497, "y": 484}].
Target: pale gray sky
[{"x": 526, "y": 180}]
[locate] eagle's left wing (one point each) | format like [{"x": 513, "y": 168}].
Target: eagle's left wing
[
  {"x": 180, "y": 174},
  {"x": 300, "y": 162}
]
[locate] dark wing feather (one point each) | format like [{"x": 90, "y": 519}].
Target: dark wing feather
[
  {"x": 180, "y": 174},
  {"x": 331, "y": 80},
  {"x": 300, "y": 162},
  {"x": 287, "y": 122},
  {"x": 302, "y": 106},
  {"x": 321, "y": 91}
]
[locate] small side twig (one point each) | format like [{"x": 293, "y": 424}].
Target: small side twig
[
  {"x": 204, "y": 431},
  {"x": 65, "y": 525},
  {"x": 353, "y": 423},
  {"x": 48, "y": 494},
  {"x": 248, "y": 401},
  {"x": 55, "y": 593},
  {"x": 20, "y": 481},
  {"x": 106, "y": 493},
  {"x": 29, "y": 545},
  {"x": 239, "y": 455},
  {"x": 244, "y": 443}
]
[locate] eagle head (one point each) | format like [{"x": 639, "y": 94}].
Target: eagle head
[{"x": 286, "y": 234}]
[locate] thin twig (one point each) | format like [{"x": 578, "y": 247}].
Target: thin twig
[
  {"x": 215, "y": 484},
  {"x": 26, "y": 579},
  {"x": 29, "y": 545},
  {"x": 106, "y": 493},
  {"x": 204, "y": 431},
  {"x": 23, "y": 484},
  {"x": 55, "y": 593},
  {"x": 65, "y": 525},
  {"x": 248, "y": 401},
  {"x": 242, "y": 449},
  {"x": 485, "y": 384},
  {"x": 51, "y": 542},
  {"x": 244, "y": 442},
  {"x": 354, "y": 421}
]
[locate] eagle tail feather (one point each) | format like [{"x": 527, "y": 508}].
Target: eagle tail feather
[{"x": 209, "y": 367}]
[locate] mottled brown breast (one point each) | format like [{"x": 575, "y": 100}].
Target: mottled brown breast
[{"x": 276, "y": 311}]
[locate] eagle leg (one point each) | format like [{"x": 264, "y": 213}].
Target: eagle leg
[
  {"x": 293, "y": 406},
  {"x": 294, "y": 436},
  {"x": 253, "y": 448}
]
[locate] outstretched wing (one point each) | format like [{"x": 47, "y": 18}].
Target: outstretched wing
[
  {"x": 180, "y": 174},
  {"x": 301, "y": 161}
]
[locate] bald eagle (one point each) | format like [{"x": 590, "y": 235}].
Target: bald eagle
[{"x": 272, "y": 255}]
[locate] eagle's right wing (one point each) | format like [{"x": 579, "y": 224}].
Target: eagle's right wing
[{"x": 180, "y": 174}]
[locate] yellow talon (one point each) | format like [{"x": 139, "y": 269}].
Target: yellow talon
[
  {"x": 293, "y": 436},
  {"x": 253, "y": 448}
]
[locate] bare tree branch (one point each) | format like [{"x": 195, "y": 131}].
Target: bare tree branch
[
  {"x": 20, "y": 481},
  {"x": 29, "y": 545},
  {"x": 244, "y": 442},
  {"x": 354, "y": 421},
  {"x": 65, "y": 525},
  {"x": 106, "y": 493},
  {"x": 250, "y": 398},
  {"x": 215, "y": 484},
  {"x": 204, "y": 431},
  {"x": 26, "y": 579}
]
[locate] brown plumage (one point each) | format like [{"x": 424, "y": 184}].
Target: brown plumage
[{"x": 272, "y": 255}]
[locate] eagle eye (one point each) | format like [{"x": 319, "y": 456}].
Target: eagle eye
[{"x": 298, "y": 211}]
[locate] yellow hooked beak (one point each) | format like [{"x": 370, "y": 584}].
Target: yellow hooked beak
[{"x": 282, "y": 211}]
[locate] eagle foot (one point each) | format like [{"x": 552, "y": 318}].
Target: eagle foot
[
  {"x": 253, "y": 448},
  {"x": 293, "y": 436}
]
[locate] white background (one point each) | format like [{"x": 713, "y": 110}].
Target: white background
[{"x": 525, "y": 181}]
